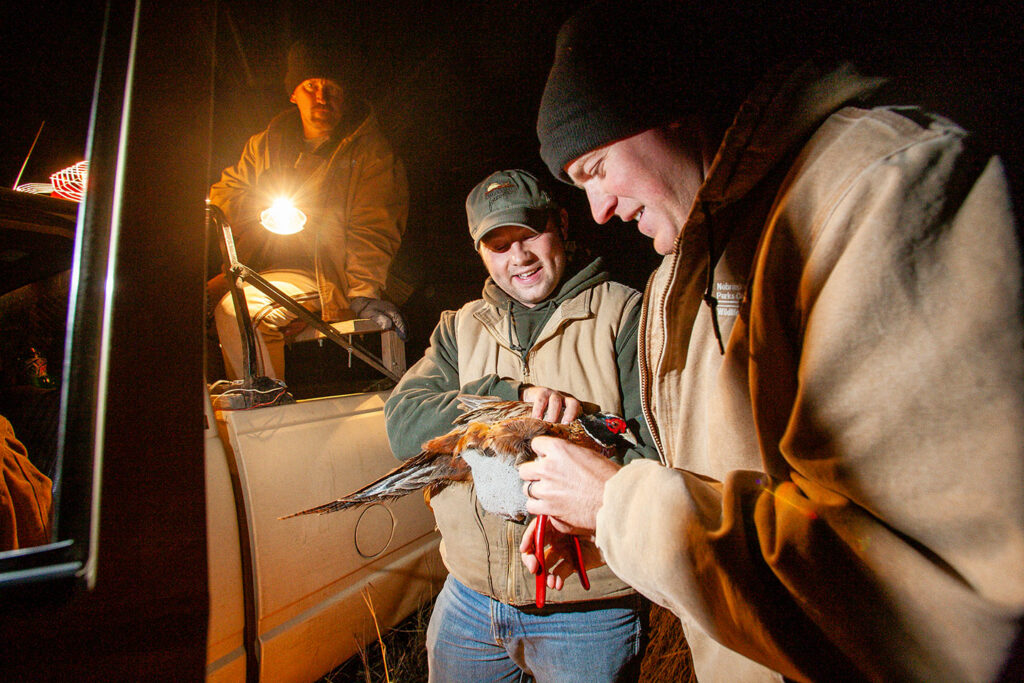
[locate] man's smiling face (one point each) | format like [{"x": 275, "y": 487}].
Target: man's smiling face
[
  {"x": 651, "y": 178},
  {"x": 526, "y": 265}
]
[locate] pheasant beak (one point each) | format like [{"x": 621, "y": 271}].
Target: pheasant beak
[{"x": 628, "y": 437}]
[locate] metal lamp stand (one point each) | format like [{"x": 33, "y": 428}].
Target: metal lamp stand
[{"x": 237, "y": 272}]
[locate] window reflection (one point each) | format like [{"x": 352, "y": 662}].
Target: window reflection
[
  {"x": 43, "y": 174},
  {"x": 36, "y": 241}
]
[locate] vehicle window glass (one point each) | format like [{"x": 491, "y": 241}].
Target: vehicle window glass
[{"x": 49, "y": 75}]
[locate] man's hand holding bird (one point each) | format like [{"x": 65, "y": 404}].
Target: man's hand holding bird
[
  {"x": 565, "y": 483},
  {"x": 569, "y": 483},
  {"x": 551, "y": 405}
]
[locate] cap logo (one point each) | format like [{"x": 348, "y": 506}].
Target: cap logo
[{"x": 499, "y": 192}]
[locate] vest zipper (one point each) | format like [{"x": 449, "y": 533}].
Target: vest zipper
[{"x": 510, "y": 581}]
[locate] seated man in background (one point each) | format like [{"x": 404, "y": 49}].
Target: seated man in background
[
  {"x": 330, "y": 158},
  {"x": 555, "y": 334}
]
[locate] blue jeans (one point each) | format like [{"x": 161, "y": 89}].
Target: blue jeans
[{"x": 472, "y": 637}]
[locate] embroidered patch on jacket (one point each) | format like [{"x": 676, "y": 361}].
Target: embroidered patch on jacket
[{"x": 730, "y": 296}]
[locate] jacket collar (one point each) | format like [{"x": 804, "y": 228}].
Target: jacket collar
[
  {"x": 284, "y": 132},
  {"x": 780, "y": 114},
  {"x": 496, "y": 320}
]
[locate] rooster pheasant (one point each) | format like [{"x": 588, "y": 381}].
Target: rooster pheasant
[{"x": 489, "y": 442}]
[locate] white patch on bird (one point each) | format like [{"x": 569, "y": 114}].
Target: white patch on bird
[{"x": 498, "y": 486}]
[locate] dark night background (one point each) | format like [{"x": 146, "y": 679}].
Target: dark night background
[{"x": 456, "y": 85}]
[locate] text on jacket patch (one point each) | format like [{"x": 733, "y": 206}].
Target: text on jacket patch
[{"x": 729, "y": 296}]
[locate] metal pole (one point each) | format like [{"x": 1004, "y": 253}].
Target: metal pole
[
  {"x": 256, "y": 280},
  {"x": 243, "y": 272},
  {"x": 27, "y": 156},
  {"x": 250, "y": 367}
]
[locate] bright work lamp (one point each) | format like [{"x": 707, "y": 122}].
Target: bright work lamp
[{"x": 283, "y": 217}]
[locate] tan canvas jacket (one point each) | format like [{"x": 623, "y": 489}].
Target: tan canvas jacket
[
  {"x": 843, "y": 497},
  {"x": 354, "y": 191},
  {"x": 26, "y": 496}
]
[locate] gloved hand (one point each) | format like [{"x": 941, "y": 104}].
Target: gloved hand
[{"x": 380, "y": 311}]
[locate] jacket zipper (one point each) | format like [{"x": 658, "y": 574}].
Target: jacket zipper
[
  {"x": 513, "y": 342},
  {"x": 646, "y": 363},
  {"x": 645, "y": 368}
]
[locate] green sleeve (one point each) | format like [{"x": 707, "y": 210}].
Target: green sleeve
[
  {"x": 629, "y": 385},
  {"x": 423, "y": 404}
]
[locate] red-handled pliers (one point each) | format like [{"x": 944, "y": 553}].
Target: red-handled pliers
[{"x": 538, "y": 552}]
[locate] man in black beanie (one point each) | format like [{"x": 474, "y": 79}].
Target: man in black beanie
[
  {"x": 831, "y": 355},
  {"x": 329, "y": 156}
]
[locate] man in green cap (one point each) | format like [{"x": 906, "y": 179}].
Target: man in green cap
[
  {"x": 329, "y": 157},
  {"x": 559, "y": 335}
]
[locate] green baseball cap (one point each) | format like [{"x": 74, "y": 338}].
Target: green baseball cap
[{"x": 513, "y": 197}]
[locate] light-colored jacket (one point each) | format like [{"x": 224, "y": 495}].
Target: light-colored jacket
[
  {"x": 844, "y": 496},
  {"x": 353, "y": 189}
]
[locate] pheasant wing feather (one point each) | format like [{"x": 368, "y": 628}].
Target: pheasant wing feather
[
  {"x": 429, "y": 468},
  {"x": 489, "y": 409}
]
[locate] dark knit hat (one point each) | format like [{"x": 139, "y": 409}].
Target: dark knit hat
[
  {"x": 513, "y": 197},
  {"x": 623, "y": 67},
  {"x": 314, "y": 60}
]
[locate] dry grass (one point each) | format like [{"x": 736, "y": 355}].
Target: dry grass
[
  {"x": 405, "y": 651},
  {"x": 667, "y": 657}
]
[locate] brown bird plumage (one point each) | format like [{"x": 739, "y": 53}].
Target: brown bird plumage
[{"x": 491, "y": 428}]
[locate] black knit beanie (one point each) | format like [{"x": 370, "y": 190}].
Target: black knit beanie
[
  {"x": 623, "y": 67},
  {"x": 315, "y": 60}
]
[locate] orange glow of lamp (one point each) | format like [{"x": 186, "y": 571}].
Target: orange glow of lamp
[{"x": 283, "y": 217}]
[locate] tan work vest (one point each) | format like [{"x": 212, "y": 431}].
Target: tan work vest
[{"x": 574, "y": 353}]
